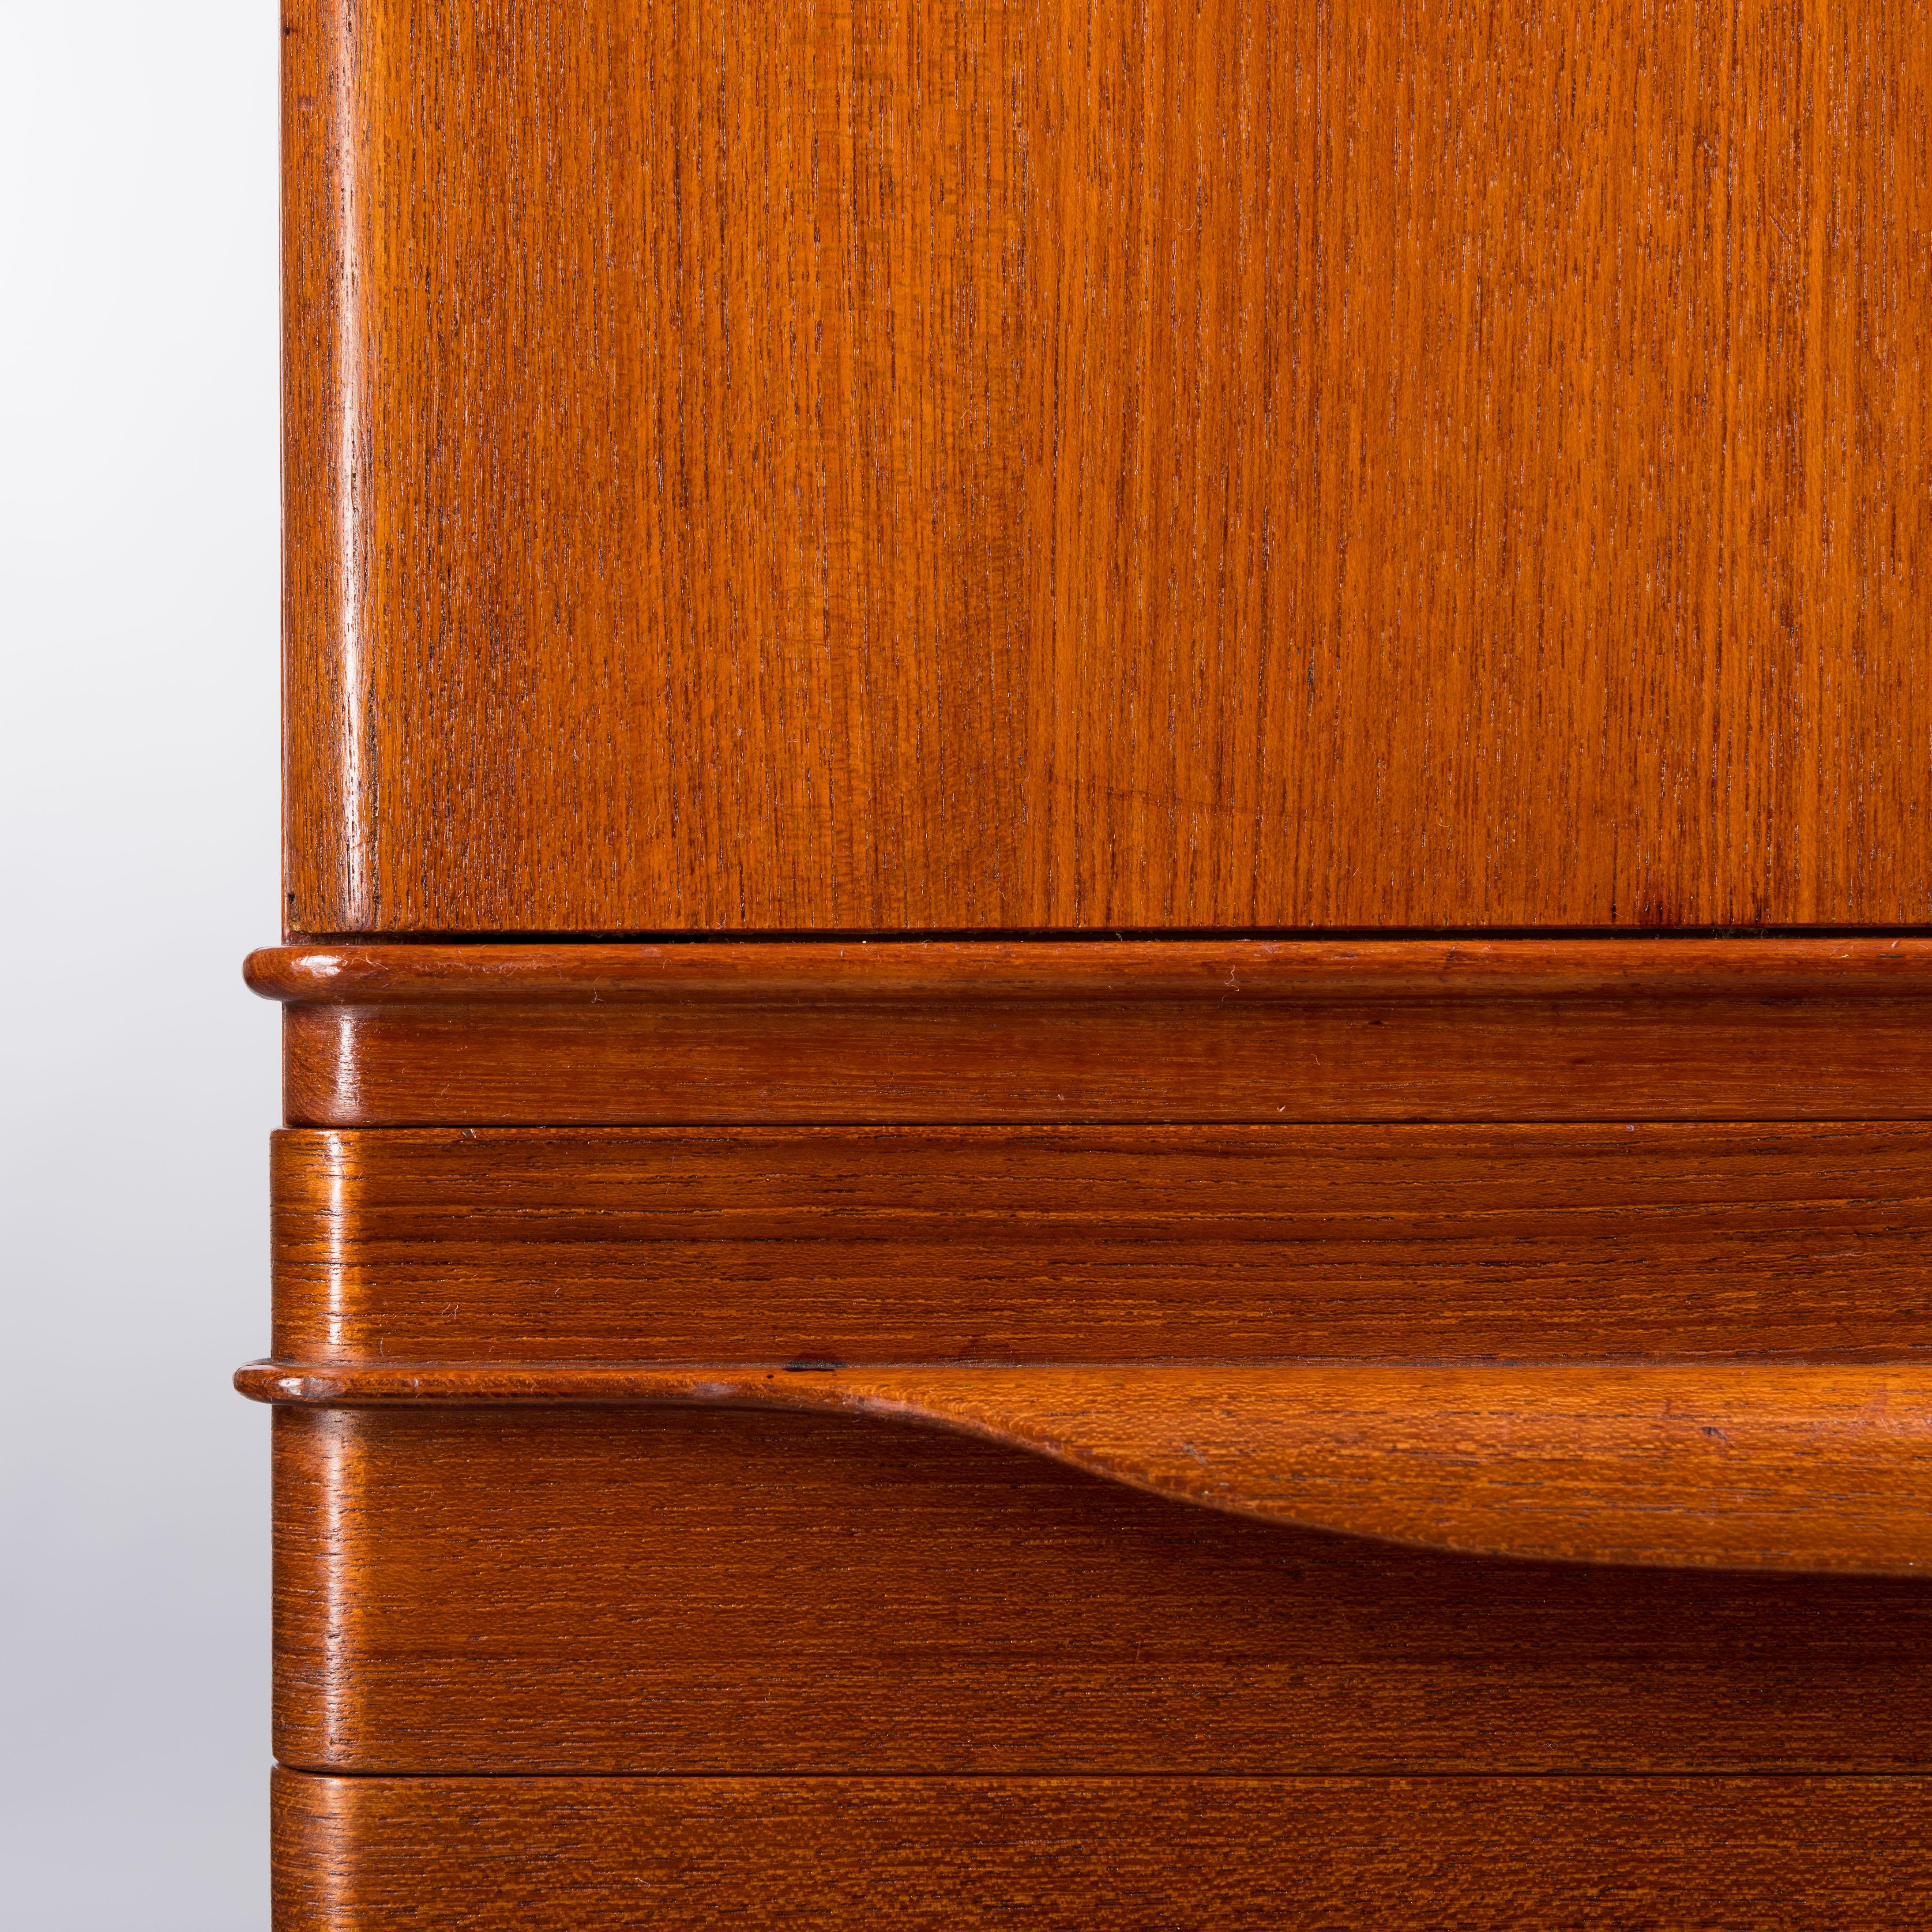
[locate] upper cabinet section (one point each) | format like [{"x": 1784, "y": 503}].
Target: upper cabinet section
[{"x": 966, "y": 464}]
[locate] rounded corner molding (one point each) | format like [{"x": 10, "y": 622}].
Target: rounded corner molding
[
  {"x": 1181, "y": 971},
  {"x": 1185, "y": 1030},
  {"x": 1739, "y": 1465}
]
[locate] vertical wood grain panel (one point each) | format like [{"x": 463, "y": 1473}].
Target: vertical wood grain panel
[
  {"x": 912, "y": 465},
  {"x": 330, "y": 841}
]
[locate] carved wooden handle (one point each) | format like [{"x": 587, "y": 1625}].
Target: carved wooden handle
[{"x": 1756, "y": 1466}]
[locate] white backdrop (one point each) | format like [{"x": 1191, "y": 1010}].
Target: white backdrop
[{"x": 138, "y": 620}]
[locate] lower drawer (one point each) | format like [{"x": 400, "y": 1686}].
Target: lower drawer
[
  {"x": 596, "y": 1854},
  {"x": 581, "y": 1589}
]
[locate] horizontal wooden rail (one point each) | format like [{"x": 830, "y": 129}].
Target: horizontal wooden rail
[
  {"x": 1055, "y": 971},
  {"x": 1204, "y": 1030},
  {"x": 1744, "y": 1466}
]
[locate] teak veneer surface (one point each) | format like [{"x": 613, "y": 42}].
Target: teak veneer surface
[
  {"x": 1153, "y": 1030},
  {"x": 1749, "y": 1465},
  {"x": 609, "y": 1589},
  {"x": 500, "y": 1245},
  {"x": 1098, "y": 1855},
  {"x": 1181, "y": 971},
  {"x": 903, "y": 466}
]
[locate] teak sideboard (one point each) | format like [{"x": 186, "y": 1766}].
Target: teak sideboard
[{"x": 1108, "y": 965}]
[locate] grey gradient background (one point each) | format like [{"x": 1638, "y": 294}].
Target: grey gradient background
[{"x": 138, "y": 574}]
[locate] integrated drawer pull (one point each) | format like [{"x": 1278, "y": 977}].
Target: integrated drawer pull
[{"x": 1737, "y": 1465}]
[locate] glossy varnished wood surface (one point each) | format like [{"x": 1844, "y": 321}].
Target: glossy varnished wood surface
[
  {"x": 1092, "y": 1854},
  {"x": 1055, "y": 1243},
  {"x": 613, "y": 1589},
  {"x": 1243, "y": 972},
  {"x": 901, "y": 469},
  {"x": 1179, "y": 1030},
  {"x": 506, "y": 1064},
  {"x": 905, "y": 468},
  {"x": 1748, "y": 1465}
]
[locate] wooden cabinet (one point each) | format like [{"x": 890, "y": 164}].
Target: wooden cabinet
[{"x": 1108, "y": 1022}]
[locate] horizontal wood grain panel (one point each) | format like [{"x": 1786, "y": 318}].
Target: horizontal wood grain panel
[
  {"x": 1731, "y": 1465},
  {"x": 1237, "y": 1031},
  {"x": 1046, "y": 1243},
  {"x": 510, "y": 1065},
  {"x": 609, "y": 1589},
  {"x": 1096, "y": 1854},
  {"x": 900, "y": 466}
]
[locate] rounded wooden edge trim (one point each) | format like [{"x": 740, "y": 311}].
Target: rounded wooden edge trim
[
  {"x": 1723, "y": 1465},
  {"x": 1189, "y": 971}
]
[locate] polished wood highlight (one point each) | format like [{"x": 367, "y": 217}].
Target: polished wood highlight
[
  {"x": 902, "y": 467},
  {"x": 1720, "y": 1465},
  {"x": 1171, "y": 1031},
  {"x": 1098, "y": 1855},
  {"x": 588, "y": 1589},
  {"x": 1180, "y": 972},
  {"x": 1057, "y": 1244}
]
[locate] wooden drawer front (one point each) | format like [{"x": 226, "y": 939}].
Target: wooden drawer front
[
  {"x": 1043, "y": 1243},
  {"x": 1620, "y": 1258},
  {"x": 586, "y": 1589},
  {"x": 1523, "y": 1060},
  {"x": 1090, "y": 1855}
]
